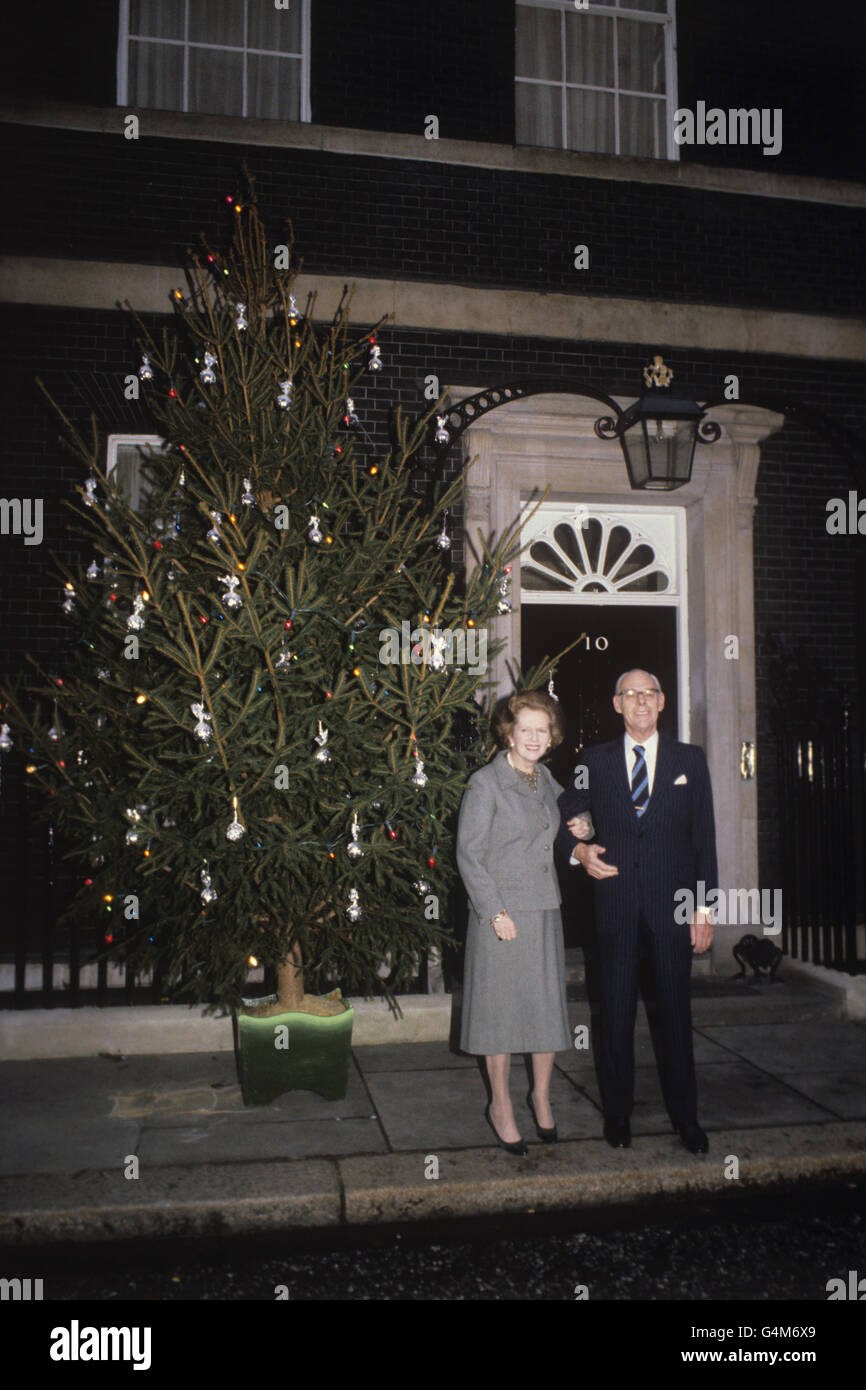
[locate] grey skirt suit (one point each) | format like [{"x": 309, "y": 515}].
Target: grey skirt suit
[{"x": 513, "y": 991}]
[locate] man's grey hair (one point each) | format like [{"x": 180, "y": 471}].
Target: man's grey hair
[{"x": 619, "y": 680}]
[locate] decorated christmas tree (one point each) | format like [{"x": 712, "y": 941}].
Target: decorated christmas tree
[{"x": 259, "y": 747}]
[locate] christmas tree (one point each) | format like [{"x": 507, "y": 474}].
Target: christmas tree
[{"x": 260, "y": 746}]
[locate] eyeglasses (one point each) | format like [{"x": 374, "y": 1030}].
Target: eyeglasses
[{"x": 633, "y": 694}]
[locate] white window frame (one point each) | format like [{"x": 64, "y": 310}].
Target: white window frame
[
  {"x": 666, "y": 18},
  {"x": 138, "y": 441},
  {"x": 123, "y": 42}
]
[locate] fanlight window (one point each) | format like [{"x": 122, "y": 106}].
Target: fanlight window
[{"x": 601, "y": 555}]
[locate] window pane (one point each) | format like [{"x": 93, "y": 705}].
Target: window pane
[
  {"x": 216, "y": 82},
  {"x": 129, "y": 474},
  {"x": 161, "y": 18},
  {"x": 589, "y": 49},
  {"x": 641, "y": 127},
  {"x": 156, "y": 76},
  {"x": 217, "y": 21},
  {"x": 539, "y": 115},
  {"x": 538, "y": 52},
  {"x": 641, "y": 56},
  {"x": 277, "y": 30},
  {"x": 591, "y": 122},
  {"x": 657, "y": 6},
  {"x": 274, "y": 88}
]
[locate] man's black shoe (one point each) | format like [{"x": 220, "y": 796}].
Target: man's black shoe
[
  {"x": 694, "y": 1139},
  {"x": 617, "y": 1132}
]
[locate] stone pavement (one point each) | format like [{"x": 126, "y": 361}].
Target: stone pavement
[{"x": 780, "y": 1080}]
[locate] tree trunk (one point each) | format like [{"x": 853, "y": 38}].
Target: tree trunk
[{"x": 290, "y": 980}]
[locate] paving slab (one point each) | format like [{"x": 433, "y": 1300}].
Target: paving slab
[
  {"x": 217, "y": 1139},
  {"x": 803, "y": 1047},
  {"x": 61, "y": 1140},
  {"x": 843, "y": 1094},
  {"x": 423, "y": 1056}
]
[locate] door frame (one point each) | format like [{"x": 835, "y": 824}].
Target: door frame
[{"x": 548, "y": 442}]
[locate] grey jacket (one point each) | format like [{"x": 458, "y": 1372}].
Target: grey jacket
[{"x": 505, "y": 838}]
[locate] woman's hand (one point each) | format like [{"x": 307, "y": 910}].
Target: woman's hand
[
  {"x": 505, "y": 928},
  {"x": 580, "y": 827}
]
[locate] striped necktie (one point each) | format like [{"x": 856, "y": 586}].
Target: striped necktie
[{"x": 639, "y": 780}]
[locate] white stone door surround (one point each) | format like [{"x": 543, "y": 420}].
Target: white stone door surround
[{"x": 549, "y": 442}]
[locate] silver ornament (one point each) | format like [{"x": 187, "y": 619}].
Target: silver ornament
[
  {"x": 231, "y": 599},
  {"x": 207, "y": 374},
  {"x": 203, "y": 732},
  {"x": 321, "y": 755},
  {"x": 208, "y": 894},
  {"x": 353, "y": 910},
  {"x": 353, "y": 849},
  {"x": 135, "y": 621}
]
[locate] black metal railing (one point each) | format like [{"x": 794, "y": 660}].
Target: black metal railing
[{"x": 821, "y": 837}]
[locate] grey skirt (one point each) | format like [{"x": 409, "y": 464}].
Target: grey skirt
[{"x": 514, "y": 991}]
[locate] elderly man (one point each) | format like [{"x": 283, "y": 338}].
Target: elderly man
[{"x": 652, "y": 805}]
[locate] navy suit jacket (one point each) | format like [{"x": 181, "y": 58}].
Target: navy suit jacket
[{"x": 671, "y": 846}]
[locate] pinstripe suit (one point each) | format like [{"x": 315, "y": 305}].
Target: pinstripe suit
[{"x": 672, "y": 846}]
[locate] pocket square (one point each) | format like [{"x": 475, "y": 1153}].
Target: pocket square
[{"x": 681, "y": 781}]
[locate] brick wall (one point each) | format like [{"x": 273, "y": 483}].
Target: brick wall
[{"x": 95, "y": 197}]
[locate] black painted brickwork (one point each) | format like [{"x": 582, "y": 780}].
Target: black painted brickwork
[
  {"x": 805, "y": 583},
  {"x": 101, "y": 197}
]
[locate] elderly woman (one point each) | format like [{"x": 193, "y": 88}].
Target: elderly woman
[{"x": 514, "y": 978}]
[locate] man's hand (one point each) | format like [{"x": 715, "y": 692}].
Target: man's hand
[
  {"x": 580, "y": 827},
  {"x": 590, "y": 857},
  {"x": 701, "y": 934}
]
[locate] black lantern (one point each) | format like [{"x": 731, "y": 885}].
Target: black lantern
[{"x": 658, "y": 433}]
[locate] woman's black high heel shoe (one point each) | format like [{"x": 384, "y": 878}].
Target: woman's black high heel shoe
[
  {"x": 519, "y": 1148},
  {"x": 547, "y": 1136}
]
